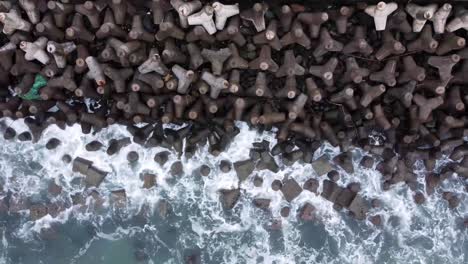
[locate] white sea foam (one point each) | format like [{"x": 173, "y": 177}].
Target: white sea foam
[{"x": 427, "y": 233}]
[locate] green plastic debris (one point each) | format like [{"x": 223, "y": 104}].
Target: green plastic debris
[{"x": 33, "y": 93}]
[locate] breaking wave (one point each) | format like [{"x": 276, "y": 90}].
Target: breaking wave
[{"x": 182, "y": 217}]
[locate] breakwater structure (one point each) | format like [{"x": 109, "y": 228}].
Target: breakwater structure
[{"x": 382, "y": 84}]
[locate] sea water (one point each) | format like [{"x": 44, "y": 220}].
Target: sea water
[{"x": 197, "y": 225}]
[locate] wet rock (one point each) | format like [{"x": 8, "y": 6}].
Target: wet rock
[
  {"x": 35, "y": 128},
  {"x": 255, "y": 154},
  {"x": 164, "y": 209},
  {"x": 225, "y": 166},
  {"x": 18, "y": 203},
  {"x": 454, "y": 202},
  {"x": 419, "y": 198},
  {"x": 447, "y": 195},
  {"x": 262, "y": 203},
  {"x": 375, "y": 203},
  {"x": 119, "y": 198},
  {"x": 367, "y": 162},
  {"x": 354, "y": 186},
  {"x": 276, "y": 185},
  {"x": 94, "y": 177},
  {"x": 93, "y": 146},
  {"x": 462, "y": 172},
  {"x": 54, "y": 189},
  {"x": 66, "y": 158},
  {"x": 257, "y": 181},
  {"x": 98, "y": 200},
  {"x": 322, "y": 165},
  {"x": 149, "y": 180},
  {"x": 330, "y": 190},
  {"x": 116, "y": 144},
  {"x": 376, "y": 220},
  {"x": 53, "y": 143},
  {"x": 290, "y": 158},
  {"x": 204, "y": 170},
  {"x": 267, "y": 162},
  {"x": 190, "y": 151},
  {"x": 81, "y": 165},
  {"x": 77, "y": 182},
  {"x": 133, "y": 156},
  {"x": 337, "y": 207},
  {"x": 412, "y": 184},
  {"x": 143, "y": 216},
  {"x": 345, "y": 197},
  {"x": 229, "y": 198},
  {"x": 9, "y": 133},
  {"x": 358, "y": 208},
  {"x": 307, "y": 212},
  {"x": 386, "y": 186},
  {"x": 333, "y": 175},
  {"x": 78, "y": 198},
  {"x": 403, "y": 174},
  {"x": 345, "y": 161},
  {"x": 3, "y": 206},
  {"x": 37, "y": 211},
  {"x": 177, "y": 169},
  {"x": 54, "y": 209},
  {"x": 25, "y": 136},
  {"x": 193, "y": 258},
  {"x": 311, "y": 185},
  {"x": 162, "y": 157},
  {"x": 285, "y": 211},
  {"x": 244, "y": 169},
  {"x": 261, "y": 145},
  {"x": 291, "y": 189},
  {"x": 432, "y": 181}
]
